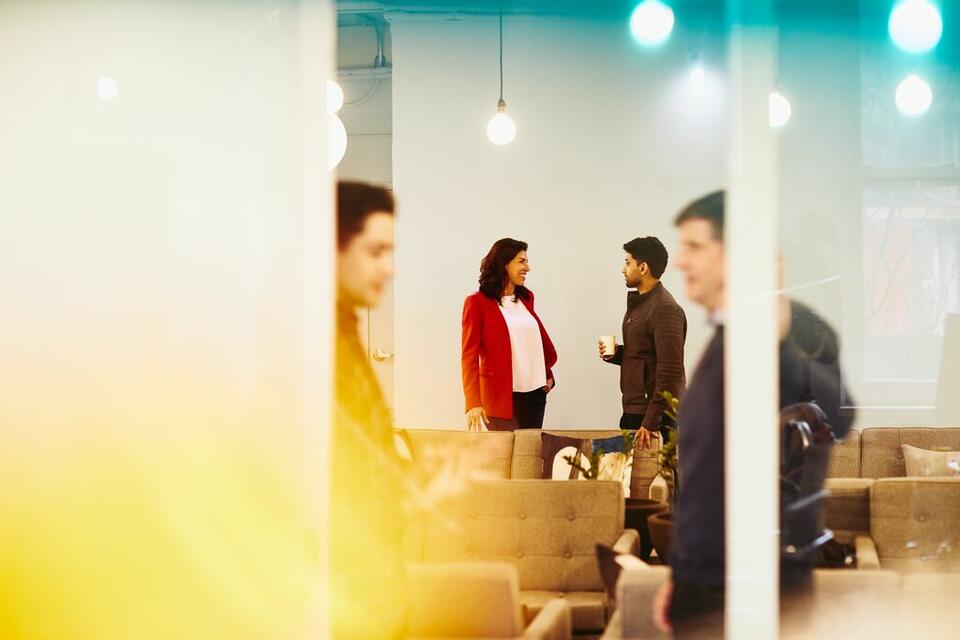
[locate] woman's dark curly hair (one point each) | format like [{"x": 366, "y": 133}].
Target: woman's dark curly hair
[{"x": 493, "y": 268}]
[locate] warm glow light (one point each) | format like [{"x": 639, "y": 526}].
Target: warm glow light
[
  {"x": 914, "y": 96},
  {"x": 780, "y": 110},
  {"x": 107, "y": 88},
  {"x": 915, "y": 25},
  {"x": 501, "y": 129},
  {"x": 337, "y": 145},
  {"x": 651, "y": 22},
  {"x": 334, "y": 97}
]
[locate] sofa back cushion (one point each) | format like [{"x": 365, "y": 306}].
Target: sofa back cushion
[
  {"x": 487, "y": 454},
  {"x": 845, "y": 457},
  {"x": 528, "y": 457},
  {"x": 916, "y": 518},
  {"x": 882, "y": 457},
  {"x": 547, "y": 529}
]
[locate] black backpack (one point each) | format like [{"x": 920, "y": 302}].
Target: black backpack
[{"x": 806, "y": 439}]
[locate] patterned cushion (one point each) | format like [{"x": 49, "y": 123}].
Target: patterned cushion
[
  {"x": 561, "y": 453},
  {"x": 556, "y": 450},
  {"x": 528, "y": 460}
]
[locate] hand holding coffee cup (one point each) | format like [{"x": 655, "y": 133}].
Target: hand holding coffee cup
[{"x": 607, "y": 347}]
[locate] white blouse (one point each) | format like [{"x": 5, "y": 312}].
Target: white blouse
[{"x": 526, "y": 345}]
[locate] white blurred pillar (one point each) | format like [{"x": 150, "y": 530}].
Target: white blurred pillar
[
  {"x": 751, "y": 334},
  {"x": 317, "y": 49},
  {"x": 166, "y": 245}
]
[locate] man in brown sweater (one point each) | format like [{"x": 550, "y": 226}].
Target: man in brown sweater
[{"x": 654, "y": 331}]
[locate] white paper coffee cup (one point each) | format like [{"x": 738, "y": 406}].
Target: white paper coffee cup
[{"x": 609, "y": 345}]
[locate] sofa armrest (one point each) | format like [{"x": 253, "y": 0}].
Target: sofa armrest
[
  {"x": 554, "y": 622},
  {"x": 443, "y": 599},
  {"x": 636, "y": 590},
  {"x": 867, "y": 557},
  {"x": 628, "y": 542},
  {"x": 612, "y": 632}
]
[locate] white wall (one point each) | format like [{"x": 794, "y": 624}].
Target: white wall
[{"x": 612, "y": 141}]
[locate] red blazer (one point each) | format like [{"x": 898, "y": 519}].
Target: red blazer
[{"x": 486, "y": 360}]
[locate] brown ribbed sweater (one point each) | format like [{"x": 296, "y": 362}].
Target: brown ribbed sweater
[{"x": 651, "y": 356}]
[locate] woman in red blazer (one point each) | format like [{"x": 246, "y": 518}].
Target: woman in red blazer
[{"x": 506, "y": 354}]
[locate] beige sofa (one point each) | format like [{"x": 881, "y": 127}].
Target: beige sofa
[
  {"x": 444, "y": 597},
  {"x": 519, "y": 455},
  {"x": 895, "y": 521},
  {"x": 546, "y": 530},
  {"x": 879, "y": 605}
]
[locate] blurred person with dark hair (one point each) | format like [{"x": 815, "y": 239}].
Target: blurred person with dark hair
[
  {"x": 367, "y": 581},
  {"x": 506, "y": 354},
  {"x": 691, "y": 603},
  {"x": 654, "y": 332}
]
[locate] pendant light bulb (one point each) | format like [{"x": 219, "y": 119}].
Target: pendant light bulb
[
  {"x": 779, "y": 110},
  {"x": 337, "y": 141},
  {"x": 501, "y": 130},
  {"x": 914, "y": 96}
]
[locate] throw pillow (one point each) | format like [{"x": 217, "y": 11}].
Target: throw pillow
[
  {"x": 615, "y": 464},
  {"x": 924, "y": 463},
  {"x": 555, "y": 448}
]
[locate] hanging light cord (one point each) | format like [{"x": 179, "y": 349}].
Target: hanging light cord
[{"x": 501, "y": 51}]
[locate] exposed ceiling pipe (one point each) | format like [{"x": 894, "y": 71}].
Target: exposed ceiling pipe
[{"x": 380, "y": 61}]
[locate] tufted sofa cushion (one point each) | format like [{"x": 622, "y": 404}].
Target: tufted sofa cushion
[
  {"x": 915, "y": 522},
  {"x": 845, "y": 457},
  {"x": 882, "y": 457},
  {"x": 546, "y": 529}
]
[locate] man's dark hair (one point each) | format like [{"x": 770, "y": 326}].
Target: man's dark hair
[
  {"x": 493, "y": 268},
  {"x": 709, "y": 208},
  {"x": 355, "y": 202},
  {"x": 651, "y": 251}
]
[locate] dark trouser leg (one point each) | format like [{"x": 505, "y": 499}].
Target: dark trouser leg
[
  {"x": 528, "y": 408},
  {"x": 503, "y": 424},
  {"x": 696, "y": 612}
]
